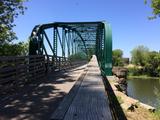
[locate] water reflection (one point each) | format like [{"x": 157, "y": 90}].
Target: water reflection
[{"x": 145, "y": 90}]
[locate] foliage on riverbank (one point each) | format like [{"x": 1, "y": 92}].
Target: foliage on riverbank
[
  {"x": 117, "y": 57},
  {"x": 142, "y": 77},
  {"x": 145, "y": 62}
]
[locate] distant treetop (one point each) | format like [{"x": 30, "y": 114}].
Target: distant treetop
[{"x": 9, "y": 10}]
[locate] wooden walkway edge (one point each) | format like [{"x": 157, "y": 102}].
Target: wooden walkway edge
[
  {"x": 87, "y": 100},
  {"x": 66, "y": 102}
]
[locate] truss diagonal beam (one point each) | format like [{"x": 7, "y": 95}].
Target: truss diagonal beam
[{"x": 77, "y": 37}]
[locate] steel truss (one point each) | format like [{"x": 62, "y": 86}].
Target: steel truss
[{"x": 71, "y": 38}]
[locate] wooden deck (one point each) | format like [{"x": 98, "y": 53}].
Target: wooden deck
[
  {"x": 38, "y": 99},
  {"x": 87, "y": 100}
]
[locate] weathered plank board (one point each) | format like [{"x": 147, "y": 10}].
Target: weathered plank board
[
  {"x": 90, "y": 101},
  {"x": 63, "y": 107}
]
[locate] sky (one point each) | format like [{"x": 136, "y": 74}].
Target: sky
[{"x": 128, "y": 18}]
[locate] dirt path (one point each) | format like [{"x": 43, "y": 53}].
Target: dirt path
[{"x": 38, "y": 100}]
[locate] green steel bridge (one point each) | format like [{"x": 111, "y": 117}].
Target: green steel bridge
[
  {"x": 27, "y": 92},
  {"x": 63, "y": 39}
]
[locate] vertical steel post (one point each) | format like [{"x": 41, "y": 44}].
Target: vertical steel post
[
  {"x": 55, "y": 45},
  {"x": 69, "y": 37},
  {"x": 42, "y": 43},
  {"x": 107, "y": 49},
  {"x": 55, "y": 41},
  {"x": 66, "y": 38},
  {"x": 72, "y": 41},
  {"x": 63, "y": 42},
  {"x": 38, "y": 41}
]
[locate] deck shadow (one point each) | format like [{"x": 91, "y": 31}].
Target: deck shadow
[{"x": 36, "y": 100}]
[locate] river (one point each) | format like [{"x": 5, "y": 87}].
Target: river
[{"x": 145, "y": 90}]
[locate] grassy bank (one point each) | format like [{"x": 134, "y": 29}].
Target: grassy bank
[
  {"x": 139, "y": 113},
  {"x": 150, "y": 116},
  {"x": 142, "y": 77}
]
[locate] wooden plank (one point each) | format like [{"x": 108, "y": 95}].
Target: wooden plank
[
  {"x": 90, "y": 101},
  {"x": 63, "y": 107}
]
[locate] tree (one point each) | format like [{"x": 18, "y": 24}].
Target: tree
[
  {"x": 139, "y": 55},
  {"x": 117, "y": 57},
  {"x": 152, "y": 66},
  {"x": 9, "y": 10},
  {"x": 155, "y": 5},
  {"x": 148, "y": 60},
  {"x": 20, "y": 48}
]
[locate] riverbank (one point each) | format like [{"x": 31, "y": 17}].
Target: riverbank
[
  {"x": 142, "y": 77},
  {"x": 133, "y": 109},
  {"x": 145, "y": 89}
]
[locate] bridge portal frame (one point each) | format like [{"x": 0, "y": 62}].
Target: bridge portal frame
[{"x": 75, "y": 36}]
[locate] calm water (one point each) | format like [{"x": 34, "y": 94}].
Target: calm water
[{"x": 144, "y": 90}]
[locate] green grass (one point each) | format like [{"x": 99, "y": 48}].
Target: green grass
[
  {"x": 156, "y": 114},
  {"x": 142, "y": 77}
]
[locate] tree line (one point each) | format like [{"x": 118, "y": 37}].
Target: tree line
[
  {"x": 143, "y": 61},
  {"x": 148, "y": 61}
]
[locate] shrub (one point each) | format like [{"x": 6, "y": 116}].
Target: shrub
[
  {"x": 135, "y": 71},
  {"x": 78, "y": 56}
]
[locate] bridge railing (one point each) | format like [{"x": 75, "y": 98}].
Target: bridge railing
[
  {"x": 59, "y": 63},
  {"x": 16, "y": 71},
  {"x": 56, "y": 63}
]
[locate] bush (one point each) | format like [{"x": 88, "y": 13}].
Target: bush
[
  {"x": 135, "y": 71},
  {"x": 78, "y": 56}
]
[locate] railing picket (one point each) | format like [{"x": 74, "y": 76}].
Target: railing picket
[{"x": 15, "y": 71}]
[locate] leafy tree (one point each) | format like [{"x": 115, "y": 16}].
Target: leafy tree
[
  {"x": 152, "y": 66},
  {"x": 117, "y": 57},
  {"x": 9, "y": 10},
  {"x": 139, "y": 55},
  {"x": 20, "y": 48},
  {"x": 148, "y": 60},
  {"x": 155, "y": 5}
]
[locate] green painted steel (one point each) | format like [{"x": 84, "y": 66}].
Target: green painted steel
[
  {"x": 73, "y": 37},
  {"x": 55, "y": 41},
  {"x": 108, "y": 49}
]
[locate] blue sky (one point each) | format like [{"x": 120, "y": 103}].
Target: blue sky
[{"x": 128, "y": 18}]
